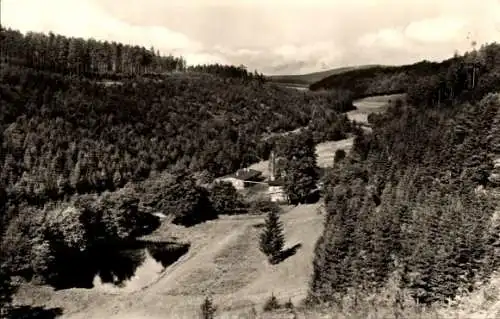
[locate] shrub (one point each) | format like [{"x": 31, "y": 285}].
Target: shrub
[
  {"x": 224, "y": 198},
  {"x": 262, "y": 206},
  {"x": 271, "y": 304}
]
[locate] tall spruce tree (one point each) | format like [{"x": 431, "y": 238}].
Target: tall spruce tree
[
  {"x": 272, "y": 238},
  {"x": 301, "y": 170}
]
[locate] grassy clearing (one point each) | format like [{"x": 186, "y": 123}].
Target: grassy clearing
[
  {"x": 325, "y": 152},
  {"x": 370, "y": 105},
  {"x": 232, "y": 268}
]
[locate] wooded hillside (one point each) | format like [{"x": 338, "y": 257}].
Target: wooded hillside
[
  {"x": 455, "y": 80},
  {"x": 406, "y": 203},
  {"x": 83, "y": 157}
]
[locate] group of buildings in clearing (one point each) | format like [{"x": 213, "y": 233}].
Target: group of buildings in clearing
[{"x": 246, "y": 177}]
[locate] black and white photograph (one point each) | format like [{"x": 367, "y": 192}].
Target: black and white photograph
[{"x": 250, "y": 159}]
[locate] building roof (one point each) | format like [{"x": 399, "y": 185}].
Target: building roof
[
  {"x": 244, "y": 174},
  {"x": 277, "y": 182}
]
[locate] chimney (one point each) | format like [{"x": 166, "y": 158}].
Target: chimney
[{"x": 272, "y": 167}]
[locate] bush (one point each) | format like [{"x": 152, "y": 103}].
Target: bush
[
  {"x": 224, "y": 198},
  {"x": 40, "y": 244},
  {"x": 289, "y": 304},
  {"x": 271, "y": 304},
  {"x": 262, "y": 207},
  {"x": 179, "y": 196}
]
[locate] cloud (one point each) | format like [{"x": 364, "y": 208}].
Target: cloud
[
  {"x": 205, "y": 58},
  {"x": 441, "y": 29},
  {"x": 444, "y": 29},
  {"x": 80, "y": 18},
  {"x": 308, "y": 57},
  {"x": 390, "y": 38}
]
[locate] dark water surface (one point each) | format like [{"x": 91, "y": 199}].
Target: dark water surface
[{"x": 116, "y": 264}]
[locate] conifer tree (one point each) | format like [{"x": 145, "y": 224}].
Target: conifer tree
[
  {"x": 301, "y": 170},
  {"x": 6, "y": 291},
  {"x": 340, "y": 154},
  {"x": 208, "y": 308},
  {"x": 272, "y": 239}
]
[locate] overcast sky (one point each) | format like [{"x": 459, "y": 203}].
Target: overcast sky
[{"x": 279, "y": 38}]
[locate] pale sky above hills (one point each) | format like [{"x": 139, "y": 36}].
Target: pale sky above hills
[{"x": 275, "y": 37}]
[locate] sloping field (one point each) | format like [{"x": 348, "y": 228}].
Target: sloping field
[
  {"x": 325, "y": 152},
  {"x": 224, "y": 260},
  {"x": 374, "y": 104}
]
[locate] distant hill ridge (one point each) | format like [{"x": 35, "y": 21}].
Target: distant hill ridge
[{"x": 309, "y": 78}]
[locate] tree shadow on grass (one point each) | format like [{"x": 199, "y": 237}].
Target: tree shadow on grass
[
  {"x": 259, "y": 225},
  {"x": 25, "y": 312},
  {"x": 289, "y": 252}
]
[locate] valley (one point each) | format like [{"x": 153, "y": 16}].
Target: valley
[
  {"x": 136, "y": 185},
  {"x": 223, "y": 260}
]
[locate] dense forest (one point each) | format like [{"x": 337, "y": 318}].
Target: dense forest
[
  {"x": 82, "y": 161},
  {"x": 63, "y": 136},
  {"x": 90, "y": 143},
  {"x": 410, "y": 198},
  {"x": 99, "y": 59},
  {"x": 379, "y": 79},
  {"x": 80, "y": 56},
  {"x": 455, "y": 80}
]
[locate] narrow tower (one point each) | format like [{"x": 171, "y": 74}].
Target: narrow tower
[{"x": 272, "y": 167}]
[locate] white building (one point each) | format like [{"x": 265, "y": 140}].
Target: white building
[{"x": 277, "y": 194}]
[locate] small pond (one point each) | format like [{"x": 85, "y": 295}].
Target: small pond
[{"x": 120, "y": 266}]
